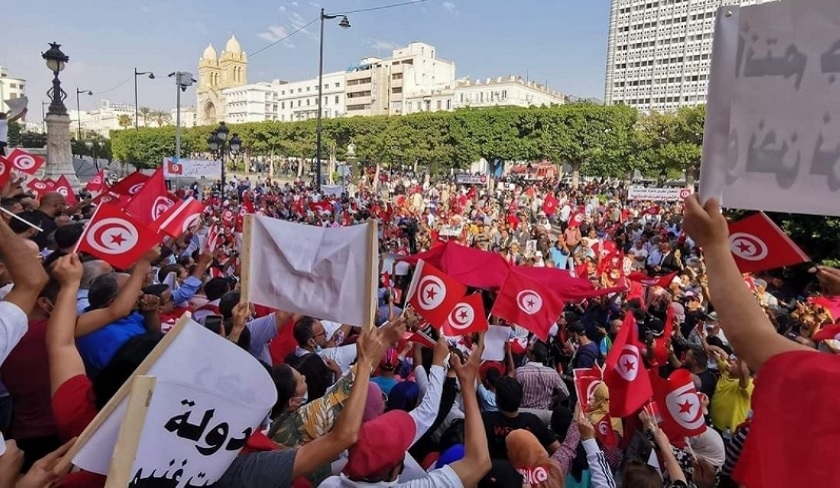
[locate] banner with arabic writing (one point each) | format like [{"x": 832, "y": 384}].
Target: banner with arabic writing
[
  {"x": 209, "y": 397},
  {"x": 772, "y": 136}
]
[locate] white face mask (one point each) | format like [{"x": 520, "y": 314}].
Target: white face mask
[{"x": 303, "y": 398}]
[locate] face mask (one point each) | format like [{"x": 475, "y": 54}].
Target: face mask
[
  {"x": 304, "y": 398},
  {"x": 318, "y": 349}
]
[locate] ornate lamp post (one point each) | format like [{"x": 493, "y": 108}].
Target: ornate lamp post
[
  {"x": 59, "y": 153},
  {"x": 220, "y": 146}
]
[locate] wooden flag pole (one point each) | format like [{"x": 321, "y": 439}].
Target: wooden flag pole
[
  {"x": 124, "y": 390},
  {"x": 245, "y": 265},
  {"x": 372, "y": 273},
  {"x": 131, "y": 429}
]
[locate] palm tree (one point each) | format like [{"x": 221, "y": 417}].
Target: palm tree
[
  {"x": 125, "y": 121},
  {"x": 145, "y": 111},
  {"x": 160, "y": 117}
]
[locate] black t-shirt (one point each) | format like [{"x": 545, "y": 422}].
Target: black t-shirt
[
  {"x": 318, "y": 375},
  {"x": 692, "y": 317},
  {"x": 708, "y": 383},
  {"x": 497, "y": 426}
]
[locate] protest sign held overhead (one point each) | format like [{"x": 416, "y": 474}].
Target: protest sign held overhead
[
  {"x": 330, "y": 273},
  {"x": 773, "y": 118},
  {"x": 209, "y": 396}
]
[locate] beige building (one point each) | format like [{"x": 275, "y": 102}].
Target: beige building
[
  {"x": 10, "y": 88},
  {"x": 659, "y": 52},
  {"x": 511, "y": 91},
  {"x": 216, "y": 74},
  {"x": 381, "y": 86}
]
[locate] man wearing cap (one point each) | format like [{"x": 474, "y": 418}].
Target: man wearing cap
[
  {"x": 378, "y": 456},
  {"x": 765, "y": 299}
]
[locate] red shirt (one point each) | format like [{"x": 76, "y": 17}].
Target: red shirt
[{"x": 26, "y": 374}]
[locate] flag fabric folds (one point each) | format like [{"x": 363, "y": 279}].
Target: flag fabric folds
[
  {"x": 434, "y": 295},
  {"x": 528, "y": 304},
  {"x": 625, "y": 374},
  {"x": 115, "y": 237},
  {"x": 758, "y": 244}
]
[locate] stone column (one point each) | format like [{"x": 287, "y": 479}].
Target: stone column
[{"x": 59, "y": 151}]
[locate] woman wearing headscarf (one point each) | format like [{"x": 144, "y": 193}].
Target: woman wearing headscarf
[
  {"x": 598, "y": 408},
  {"x": 530, "y": 458}
]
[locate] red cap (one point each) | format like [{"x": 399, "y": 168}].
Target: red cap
[{"x": 382, "y": 445}]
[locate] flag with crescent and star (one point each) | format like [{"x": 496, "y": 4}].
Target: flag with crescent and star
[
  {"x": 680, "y": 405},
  {"x": 433, "y": 294},
  {"x": 625, "y": 374},
  {"x": 466, "y": 317},
  {"x": 527, "y": 303},
  {"x": 758, "y": 244},
  {"x": 115, "y": 237}
]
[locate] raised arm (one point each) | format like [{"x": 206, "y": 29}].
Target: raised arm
[
  {"x": 344, "y": 434},
  {"x": 745, "y": 324},
  {"x": 124, "y": 303},
  {"x": 23, "y": 263},
  {"x": 476, "y": 461},
  {"x": 64, "y": 359}
]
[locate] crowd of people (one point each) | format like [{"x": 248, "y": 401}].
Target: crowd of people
[{"x": 361, "y": 406}]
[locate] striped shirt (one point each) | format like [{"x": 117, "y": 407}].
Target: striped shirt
[{"x": 538, "y": 385}]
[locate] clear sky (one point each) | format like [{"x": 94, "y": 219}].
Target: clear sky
[{"x": 562, "y": 42}]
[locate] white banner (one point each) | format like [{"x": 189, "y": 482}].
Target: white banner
[
  {"x": 209, "y": 396},
  {"x": 451, "y": 230},
  {"x": 468, "y": 179},
  {"x": 772, "y": 138},
  {"x": 658, "y": 194},
  {"x": 191, "y": 168},
  {"x": 332, "y": 190}
]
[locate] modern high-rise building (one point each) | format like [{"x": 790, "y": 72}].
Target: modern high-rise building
[{"x": 659, "y": 52}]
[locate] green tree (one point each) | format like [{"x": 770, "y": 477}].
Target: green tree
[
  {"x": 673, "y": 141},
  {"x": 124, "y": 120},
  {"x": 160, "y": 117},
  {"x": 144, "y": 113}
]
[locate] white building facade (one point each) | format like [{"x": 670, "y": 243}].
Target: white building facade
[
  {"x": 10, "y": 88},
  {"x": 659, "y": 52},
  {"x": 511, "y": 91},
  {"x": 189, "y": 117},
  {"x": 285, "y": 101}
]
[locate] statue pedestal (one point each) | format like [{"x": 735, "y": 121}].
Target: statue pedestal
[{"x": 59, "y": 151}]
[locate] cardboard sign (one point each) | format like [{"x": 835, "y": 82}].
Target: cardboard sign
[
  {"x": 209, "y": 396},
  {"x": 772, "y": 136}
]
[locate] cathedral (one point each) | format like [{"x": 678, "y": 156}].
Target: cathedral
[{"x": 215, "y": 73}]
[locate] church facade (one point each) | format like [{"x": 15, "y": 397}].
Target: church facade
[{"x": 216, "y": 73}]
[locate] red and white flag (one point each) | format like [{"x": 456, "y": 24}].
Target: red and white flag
[
  {"x": 680, "y": 406},
  {"x": 130, "y": 185},
  {"x": 152, "y": 200},
  {"x": 466, "y": 317},
  {"x": 180, "y": 218},
  {"x": 604, "y": 431},
  {"x": 50, "y": 183},
  {"x": 663, "y": 281},
  {"x": 35, "y": 184},
  {"x": 433, "y": 294},
  {"x": 527, "y": 303},
  {"x": 5, "y": 172},
  {"x": 115, "y": 237},
  {"x": 63, "y": 186},
  {"x": 576, "y": 219},
  {"x": 24, "y": 162},
  {"x": 97, "y": 183},
  {"x": 213, "y": 238},
  {"x": 174, "y": 168},
  {"x": 586, "y": 380},
  {"x": 758, "y": 244},
  {"x": 625, "y": 374}
]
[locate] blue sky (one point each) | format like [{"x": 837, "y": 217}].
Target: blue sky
[{"x": 562, "y": 42}]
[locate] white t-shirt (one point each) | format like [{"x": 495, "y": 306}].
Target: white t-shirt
[{"x": 4, "y": 130}]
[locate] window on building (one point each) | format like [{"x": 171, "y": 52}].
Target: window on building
[
  {"x": 338, "y": 85},
  {"x": 337, "y": 99}
]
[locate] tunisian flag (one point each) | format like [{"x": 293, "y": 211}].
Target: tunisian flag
[
  {"x": 679, "y": 404},
  {"x": 113, "y": 236},
  {"x": 130, "y": 185},
  {"x": 528, "y": 304},
  {"x": 662, "y": 281},
  {"x": 466, "y": 317},
  {"x": 180, "y": 218},
  {"x": 550, "y": 204},
  {"x": 758, "y": 244},
  {"x": 433, "y": 294},
  {"x": 97, "y": 183},
  {"x": 625, "y": 374},
  {"x": 152, "y": 200},
  {"x": 63, "y": 186}
]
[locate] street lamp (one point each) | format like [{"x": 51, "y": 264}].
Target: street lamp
[
  {"x": 79, "y": 110},
  {"x": 136, "y": 74},
  {"x": 56, "y": 60},
  {"x": 344, "y": 24},
  {"x": 183, "y": 79},
  {"x": 220, "y": 146}
]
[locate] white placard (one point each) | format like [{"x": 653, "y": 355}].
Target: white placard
[
  {"x": 658, "y": 194},
  {"x": 494, "y": 343},
  {"x": 332, "y": 190},
  {"x": 468, "y": 179},
  {"x": 772, "y": 137},
  {"x": 214, "y": 374},
  {"x": 451, "y": 230},
  {"x": 191, "y": 168},
  {"x": 197, "y": 431}
]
